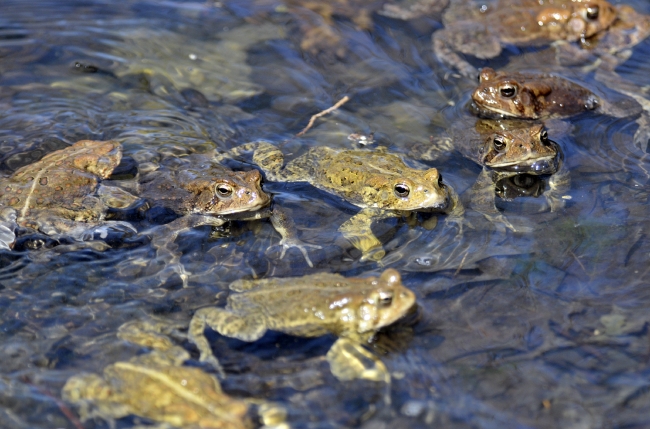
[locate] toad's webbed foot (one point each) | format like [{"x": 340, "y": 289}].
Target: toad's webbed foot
[
  {"x": 7, "y": 228},
  {"x": 103, "y": 229},
  {"x": 288, "y": 243},
  {"x": 285, "y": 226}
]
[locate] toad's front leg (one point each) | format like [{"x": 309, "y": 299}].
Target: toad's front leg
[
  {"x": 559, "y": 184},
  {"x": 285, "y": 226},
  {"x": 482, "y": 200},
  {"x": 163, "y": 239},
  {"x": 358, "y": 231},
  {"x": 250, "y": 327}
]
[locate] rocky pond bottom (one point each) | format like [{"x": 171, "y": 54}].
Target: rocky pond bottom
[{"x": 199, "y": 261}]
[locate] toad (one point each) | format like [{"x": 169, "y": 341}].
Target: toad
[
  {"x": 530, "y": 95},
  {"x": 543, "y": 96},
  {"x": 482, "y": 29},
  {"x": 378, "y": 182},
  {"x": 309, "y": 306},
  {"x": 198, "y": 191},
  {"x": 505, "y": 148},
  {"x": 156, "y": 386},
  {"x": 63, "y": 194}
]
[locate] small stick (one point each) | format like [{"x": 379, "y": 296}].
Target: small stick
[
  {"x": 340, "y": 103},
  {"x": 461, "y": 264},
  {"x": 62, "y": 406}
]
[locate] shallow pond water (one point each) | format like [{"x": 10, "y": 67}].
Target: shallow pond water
[{"x": 546, "y": 326}]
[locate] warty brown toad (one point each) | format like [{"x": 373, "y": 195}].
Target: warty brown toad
[
  {"x": 309, "y": 306},
  {"x": 481, "y": 29},
  {"x": 62, "y": 193}
]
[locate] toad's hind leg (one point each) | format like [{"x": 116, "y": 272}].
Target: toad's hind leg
[
  {"x": 284, "y": 225},
  {"x": 266, "y": 155},
  {"x": 469, "y": 38},
  {"x": 247, "y": 328}
]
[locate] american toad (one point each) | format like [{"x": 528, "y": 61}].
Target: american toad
[
  {"x": 531, "y": 96},
  {"x": 378, "y": 182},
  {"x": 504, "y": 148},
  {"x": 62, "y": 193},
  {"x": 156, "y": 386},
  {"x": 481, "y": 29},
  {"x": 200, "y": 192},
  {"x": 310, "y": 306}
]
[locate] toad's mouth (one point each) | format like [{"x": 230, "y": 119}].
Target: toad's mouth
[
  {"x": 437, "y": 204},
  {"x": 538, "y": 166},
  {"x": 260, "y": 204},
  {"x": 489, "y": 112}
]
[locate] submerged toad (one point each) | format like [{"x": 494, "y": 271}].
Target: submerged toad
[
  {"x": 200, "y": 192},
  {"x": 193, "y": 185},
  {"x": 156, "y": 386},
  {"x": 481, "y": 29},
  {"x": 309, "y": 306},
  {"x": 542, "y": 96},
  {"x": 316, "y": 19},
  {"x": 378, "y": 182},
  {"x": 506, "y": 148},
  {"x": 62, "y": 193}
]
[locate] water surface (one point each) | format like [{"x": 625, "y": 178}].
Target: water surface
[{"x": 544, "y": 327}]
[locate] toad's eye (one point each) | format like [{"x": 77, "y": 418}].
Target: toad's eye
[
  {"x": 385, "y": 298},
  {"x": 401, "y": 190},
  {"x": 499, "y": 143},
  {"x": 508, "y": 91},
  {"x": 544, "y": 137},
  {"x": 524, "y": 181},
  {"x": 592, "y": 12},
  {"x": 440, "y": 181},
  {"x": 223, "y": 190}
]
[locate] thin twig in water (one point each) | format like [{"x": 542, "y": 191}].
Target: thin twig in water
[
  {"x": 67, "y": 412},
  {"x": 340, "y": 103},
  {"x": 578, "y": 261},
  {"x": 461, "y": 263}
]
